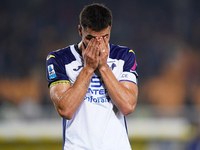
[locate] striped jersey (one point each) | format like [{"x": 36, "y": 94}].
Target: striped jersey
[{"x": 97, "y": 124}]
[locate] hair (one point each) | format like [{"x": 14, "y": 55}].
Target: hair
[{"x": 95, "y": 16}]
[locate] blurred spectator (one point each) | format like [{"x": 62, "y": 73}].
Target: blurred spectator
[{"x": 177, "y": 79}]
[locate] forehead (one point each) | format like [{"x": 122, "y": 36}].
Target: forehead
[{"x": 89, "y": 31}]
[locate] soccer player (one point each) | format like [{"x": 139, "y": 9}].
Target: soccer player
[{"x": 93, "y": 85}]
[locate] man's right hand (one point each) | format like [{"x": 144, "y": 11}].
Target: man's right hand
[{"x": 91, "y": 54}]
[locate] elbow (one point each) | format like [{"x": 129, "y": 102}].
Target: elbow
[
  {"x": 66, "y": 114},
  {"x": 129, "y": 107},
  {"x": 128, "y": 110}
]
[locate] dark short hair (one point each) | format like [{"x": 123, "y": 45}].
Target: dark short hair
[{"x": 95, "y": 16}]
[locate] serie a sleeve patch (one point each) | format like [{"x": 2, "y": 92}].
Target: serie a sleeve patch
[{"x": 51, "y": 71}]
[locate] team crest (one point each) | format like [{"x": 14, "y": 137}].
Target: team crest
[{"x": 52, "y": 73}]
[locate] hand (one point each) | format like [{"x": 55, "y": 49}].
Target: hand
[
  {"x": 91, "y": 54},
  {"x": 103, "y": 52}
]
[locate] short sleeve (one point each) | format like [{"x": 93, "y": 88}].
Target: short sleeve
[
  {"x": 55, "y": 70},
  {"x": 130, "y": 66}
]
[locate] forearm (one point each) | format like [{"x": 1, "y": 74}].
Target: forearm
[
  {"x": 123, "y": 96},
  {"x": 68, "y": 101}
]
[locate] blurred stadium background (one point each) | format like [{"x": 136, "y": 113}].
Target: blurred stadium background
[{"x": 165, "y": 36}]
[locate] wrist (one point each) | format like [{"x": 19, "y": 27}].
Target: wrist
[
  {"x": 88, "y": 70},
  {"x": 104, "y": 68}
]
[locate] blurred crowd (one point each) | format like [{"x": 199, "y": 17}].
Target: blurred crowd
[{"x": 165, "y": 36}]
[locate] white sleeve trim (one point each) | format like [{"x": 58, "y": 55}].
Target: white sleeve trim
[{"x": 127, "y": 76}]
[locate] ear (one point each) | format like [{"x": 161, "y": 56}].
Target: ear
[{"x": 80, "y": 30}]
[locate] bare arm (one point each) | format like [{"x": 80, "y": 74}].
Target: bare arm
[
  {"x": 67, "y": 98},
  {"x": 123, "y": 94}
]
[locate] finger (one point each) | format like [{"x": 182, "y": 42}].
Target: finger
[
  {"x": 83, "y": 49},
  {"x": 91, "y": 46},
  {"x": 105, "y": 43},
  {"x": 102, "y": 46},
  {"x": 97, "y": 51},
  {"x": 95, "y": 48}
]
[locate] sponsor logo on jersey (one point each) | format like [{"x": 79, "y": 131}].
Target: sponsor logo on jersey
[
  {"x": 97, "y": 91},
  {"x": 98, "y": 94},
  {"x": 92, "y": 99},
  {"x": 96, "y": 82},
  {"x": 51, "y": 71}
]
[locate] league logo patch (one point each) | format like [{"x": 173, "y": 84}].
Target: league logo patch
[{"x": 52, "y": 73}]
